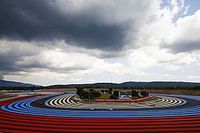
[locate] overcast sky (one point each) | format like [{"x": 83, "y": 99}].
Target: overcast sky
[{"x": 85, "y": 41}]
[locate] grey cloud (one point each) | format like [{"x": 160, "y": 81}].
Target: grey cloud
[
  {"x": 22, "y": 58},
  {"x": 183, "y": 46},
  {"x": 1, "y": 76},
  {"x": 35, "y": 65},
  {"x": 43, "y": 21},
  {"x": 69, "y": 69},
  {"x": 10, "y": 65},
  {"x": 13, "y": 51}
]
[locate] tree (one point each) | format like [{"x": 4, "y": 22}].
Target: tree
[
  {"x": 94, "y": 93},
  {"x": 110, "y": 91},
  {"x": 116, "y": 93},
  {"x": 79, "y": 90},
  {"x": 102, "y": 91},
  {"x": 106, "y": 91},
  {"x": 134, "y": 93},
  {"x": 112, "y": 96},
  {"x": 144, "y": 93},
  {"x": 84, "y": 95}
]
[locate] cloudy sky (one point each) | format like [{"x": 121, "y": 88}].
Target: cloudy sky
[{"x": 85, "y": 41}]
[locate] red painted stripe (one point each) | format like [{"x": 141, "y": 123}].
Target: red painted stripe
[
  {"x": 155, "y": 129},
  {"x": 101, "y": 120},
  {"x": 82, "y": 122},
  {"x": 23, "y": 123},
  {"x": 97, "y": 126}
]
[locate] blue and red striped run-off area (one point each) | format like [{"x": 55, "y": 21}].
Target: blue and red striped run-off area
[{"x": 61, "y": 113}]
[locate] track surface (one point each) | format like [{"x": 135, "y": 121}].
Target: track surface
[
  {"x": 66, "y": 101},
  {"x": 18, "y": 115}
]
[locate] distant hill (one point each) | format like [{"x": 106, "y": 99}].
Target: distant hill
[
  {"x": 125, "y": 85},
  {"x": 161, "y": 84},
  {"x": 131, "y": 84},
  {"x": 4, "y": 83}
]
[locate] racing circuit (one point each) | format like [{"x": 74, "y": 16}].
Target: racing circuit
[{"x": 62, "y": 113}]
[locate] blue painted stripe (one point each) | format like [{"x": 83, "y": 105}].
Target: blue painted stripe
[{"x": 25, "y": 107}]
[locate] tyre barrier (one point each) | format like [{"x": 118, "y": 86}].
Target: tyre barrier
[{"x": 24, "y": 115}]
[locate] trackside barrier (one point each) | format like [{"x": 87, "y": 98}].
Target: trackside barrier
[{"x": 124, "y": 100}]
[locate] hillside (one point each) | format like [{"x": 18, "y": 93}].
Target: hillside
[
  {"x": 4, "y": 83},
  {"x": 159, "y": 84}
]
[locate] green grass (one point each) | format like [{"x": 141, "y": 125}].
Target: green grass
[
  {"x": 104, "y": 96},
  {"x": 3, "y": 96},
  {"x": 175, "y": 91}
]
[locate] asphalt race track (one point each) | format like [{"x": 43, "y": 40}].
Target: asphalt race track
[{"x": 60, "y": 113}]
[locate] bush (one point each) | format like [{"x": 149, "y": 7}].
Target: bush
[
  {"x": 84, "y": 95},
  {"x": 113, "y": 96},
  {"x": 134, "y": 93},
  {"x": 87, "y": 95},
  {"x": 116, "y": 93},
  {"x": 144, "y": 93},
  {"x": 110, "y": 91},
  {"x": 94, "y": 94},
  {"x": 79, "y": 90}
]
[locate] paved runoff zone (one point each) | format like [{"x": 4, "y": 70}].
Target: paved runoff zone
[{"x": 63, "y": 113}]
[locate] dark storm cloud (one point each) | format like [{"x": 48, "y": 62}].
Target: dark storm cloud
[
  {"x": 42, "y": 20},
  {"x": 8, "y": 63}
]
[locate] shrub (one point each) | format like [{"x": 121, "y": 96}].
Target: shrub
[
  {"x": 116, "y": 93},
  {"x": 113, "y": 96},
  {"x": 144, "y": 93},
  {"x": 134, "y": 93}
]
